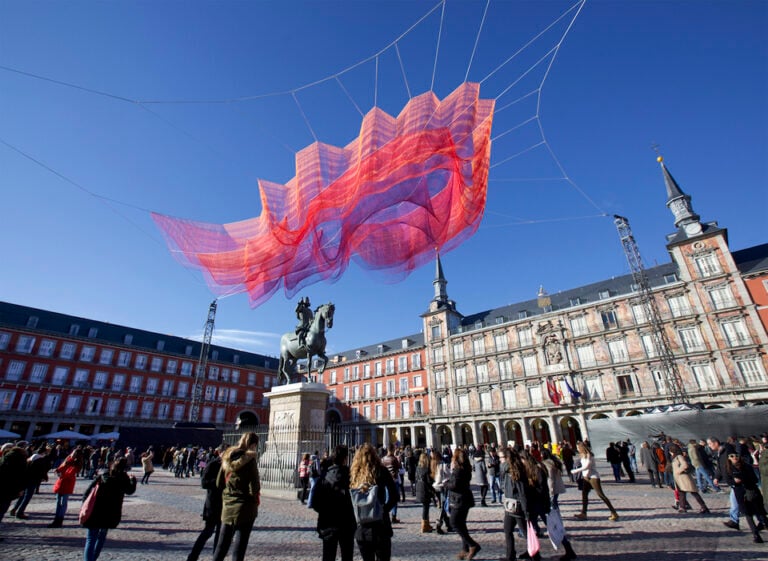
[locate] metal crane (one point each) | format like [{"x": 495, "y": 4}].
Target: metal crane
[
  {"x": 197, "y": 388},
  {"x": 672, "y": 379}
]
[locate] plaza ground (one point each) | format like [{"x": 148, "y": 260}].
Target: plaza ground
[{"x": 162, "y": 519}]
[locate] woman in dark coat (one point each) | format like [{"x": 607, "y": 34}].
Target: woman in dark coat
[
  {"x": 513, "y": 483},
  {"x": 742, "y": 479},
  {"x": 461, "y": 500},
  {"x": 212, "y": 507},
  {"x": 336, "y": 523},
  {"x": 425, "y": 491},
  {"x": 241, "y": 488},
  {"x": 108, "y": 509}
]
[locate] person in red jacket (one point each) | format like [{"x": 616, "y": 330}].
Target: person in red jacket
[{"x": 65, "y": 484}]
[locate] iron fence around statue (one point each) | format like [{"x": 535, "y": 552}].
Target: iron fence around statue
[{"x": 282, "y": 447}]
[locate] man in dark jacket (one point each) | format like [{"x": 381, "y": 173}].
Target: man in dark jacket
[
  {"x": 613, "y": 457},
  {"x": 336, "y": 523},
  {"x": 392, "y": 464},
  {"x": 719, "y": 465},
  {"x": 624, "y": 455},
  {"x": 13, "y": 467},
  {"x": 38, "y": 466},
  {"x": 212, "y": 508}
]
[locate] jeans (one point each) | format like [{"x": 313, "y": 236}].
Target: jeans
[
  {"x": 733, "y": 511},
  {"x": 704, "y": 478},
  {"x": 344, "y": 540},
  {"x": 94, "y": 541},
  {"x": 393, "y": 512},
  {"x": 212, "y": 528},
  {"x": 459, "y": 523},
  {"x": 616, "y": 472},
  {"x": 496, "y": 488},
  {"x": 61, "y": 505},
  {"x": 145, "y": 477},
  {"x": 23, "y": 501},
  {"x": 225, "y": 541}
]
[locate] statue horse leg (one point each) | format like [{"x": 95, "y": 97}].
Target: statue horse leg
[{"x": 321, "y": 368}]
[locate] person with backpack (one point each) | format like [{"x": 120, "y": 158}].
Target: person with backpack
[
  {"x": 336, "y": 523},
  {"x": 212, "y": 507},
  {"x": 513, "y": 477},
  {"x": 372, "y": 506},
  {"x": 461, "y": 500}
]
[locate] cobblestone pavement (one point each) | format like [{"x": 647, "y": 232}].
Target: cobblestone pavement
[{"x": 162, "y": 519}]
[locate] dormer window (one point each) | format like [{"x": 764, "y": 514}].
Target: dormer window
[
  {"x": 93, "y": 332},
  {"x": 670, "y": 278},
  {"x": 74, "y": 329},
  {"x": 32, "y": 322},
  {"x": 128, "y": 339},
  {"x": 604, "y": 294},
  {"x": 522, "y": 314},
  {"x": 575, "y": 301}
]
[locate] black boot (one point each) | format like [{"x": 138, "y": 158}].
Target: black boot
[
  {"x": 569, "y": 553},
  {"x": 57, "y": 523}
]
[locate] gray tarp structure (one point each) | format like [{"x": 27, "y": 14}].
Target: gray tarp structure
[{"x": 684, "y": 425}]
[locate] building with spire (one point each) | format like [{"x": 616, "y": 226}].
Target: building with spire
[{"x": 536, "y": 370}]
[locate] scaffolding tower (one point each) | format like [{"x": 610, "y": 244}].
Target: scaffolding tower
[
  {"x": 197, "y": 388},
  {"x": 672, "y": 379}
]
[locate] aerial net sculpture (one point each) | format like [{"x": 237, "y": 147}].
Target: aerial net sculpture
[{"x": 403, "y": 187}]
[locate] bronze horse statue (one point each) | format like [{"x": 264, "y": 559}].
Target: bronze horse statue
[{"x": 291, "y": 351}]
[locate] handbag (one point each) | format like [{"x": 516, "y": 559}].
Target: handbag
[
  {"x": 513, "y": 507},
  {"x": 86, "y": 509},
  {"x": 555, "y": 528},
  {"x": 533, "y": 540}
]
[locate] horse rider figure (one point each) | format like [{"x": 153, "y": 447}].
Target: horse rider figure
[{"x": 305, "y": 315}]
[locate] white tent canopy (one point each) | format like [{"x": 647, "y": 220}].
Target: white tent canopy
[{"x": 67, "y": 435}]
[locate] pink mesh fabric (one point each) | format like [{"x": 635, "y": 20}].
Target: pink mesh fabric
[{"x": 402, "y": 188}]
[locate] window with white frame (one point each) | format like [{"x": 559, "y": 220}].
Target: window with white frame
[
  {"x": 417, "y": 381},
  {"x": 736, "y": 333},
  {"x": 379, "y": 412},
  {"x": 28, "y": 401},
  {"x": 67, "y": 351},
  {"x": 223, "y": 395},
  {"x": 141, "y": 362},
  {"x": 167, "y": 388},
  {"x": 5, "y": 338},
  {"x": 213, "y": 372},
  {"x": 691, "y": 339},
  {"x": 440, "y": 379},
  {"x": 157, "y": 364},
  {"x": 366, "y": 391},
  {"x": 113, "y": 407},
  {"x": 105, "y": 357},
  {"x": 146, "y": 409},
  {"x": 171, "y": 366},
  {"x": 46, "y": 347},
  {"x": 593, "y": 389},
  {"x": 118, "y": 382},
  {"x": 390, "y": 387},
  {"x": 233, "y": 395},
  {"x": 51, "y": 404},
  {"x": 15, "y": 370},
  {"x": 136, "y": 382},
  {"x": 625, "y": 385},
  {"x": 525, "y": 336},
  {"x": 510, "y": 399},
  {"x": 618, "y": 350},
  {"x": 435, "y": 331},
  {"x": 442, "y": 404},
  {"x": 186, "y": 369},
  {"x": 81, "y": 378},
  {"x": 235, "y": 376},
  {"x": 535, "y": 396},
  {"x": 659, "y": 381},
  {"x": 705, "y": 376},
  {"x": 391, "y": 410},
  {"x": 609, "y": 319},
  {"x": 461, "y": 376},
  {"x": 152, "y": 386},
  {"x": 377, "y": 369},
  {"x": 722, "y": 297},
  {"x": 405, "y": 409},
  {"x": 355, "y": 392},
  {"x": 367, "y": 412},
  {"x": 163, "y": 409},
  {"x": 390, "y": 366},
  {"x": 579, "y": 325},
  {"x": 708, "y": 265},
  {"x": 124, "y": 359},
  {"x": 249, "y": 397},
  {"x": 678, "y": 306},
  {"x": 93, "y": 406},
  {"x": 751, "y": 371},
  {"x": 25, "y": 343},
  {"x": 100, "y": 380},
  {"x": 379, "y": 388},
  {"x": 478, "y": 346},
  {"x": 210, "y": 393},
  {"x": 415, "y": 361},
  {"x": 220, "y": 413},
  {"x": 402, "y": 364},
  {"x": 638, "y": 311},
  {"x": 38, "y": 374},
  {"x": 481, "y": 373},
  {"x": 486, "y": 403},
  {"x": 367, "y": 370},
  {"x": 648, "y": 345},
  {"x": 463, "y": 402},
  {"x": 437, "y": 354},
  {"x": 60, "y": 374},
  {"x": 417, "y": 407},
  {"x": 87, "y": 353},
  {"x": 500, "y": 341},
  {"x": 403, "y": 386},
  {"x": 73, "y": 405},
  {"x": 178, "y": 412},
  {"x": 356, "y": 372},
  {"x": 458, "y": 350},
  {"x": 530, "y": 366},
  {"x": 505, "y": 369}
]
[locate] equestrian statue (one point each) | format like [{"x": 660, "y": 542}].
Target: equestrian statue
[{"x": 306, "y": 341}]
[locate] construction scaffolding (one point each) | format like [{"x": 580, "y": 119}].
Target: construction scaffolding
[{"x": 202, "y": 363}]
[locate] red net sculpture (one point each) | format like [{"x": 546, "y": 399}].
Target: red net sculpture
[{"x": 402, "y": 188}]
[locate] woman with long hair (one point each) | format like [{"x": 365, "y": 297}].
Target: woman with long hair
[
  {"x": 591, "y": 481},
  {"x": 304, "y": 472},
  {"x": 461, "y": 500},
  {"x": 424, "y": 490},
  {"x": 684, "y": 481},
  {"x": 554, "y": 468},
  {"x": 743, "y": 481},
  {"x": 336, "y": 517},
  {"x": 65, "y": 484},
  {"x": 374, "y": 539},
  {"x": 239, "y": 479},
  {"x": 441, "y": 472},
  {"x": 108, "y": 510}
]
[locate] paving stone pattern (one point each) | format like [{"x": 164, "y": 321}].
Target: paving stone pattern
[{"x": 162, "y": 519}]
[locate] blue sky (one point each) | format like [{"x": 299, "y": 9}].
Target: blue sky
[{"x": 689, "y": 75}]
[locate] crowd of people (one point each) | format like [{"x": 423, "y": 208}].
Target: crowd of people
[{"x": 356, "y": 492}]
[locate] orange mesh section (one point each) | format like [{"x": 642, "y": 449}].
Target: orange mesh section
[{"x": 402, "y": 188}]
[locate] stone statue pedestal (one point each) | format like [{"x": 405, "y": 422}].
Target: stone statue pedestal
[{"x": 296, "y": 426}]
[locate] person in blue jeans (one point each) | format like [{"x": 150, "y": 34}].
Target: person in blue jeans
[
  {"x": 719, "y": 464},
  {"x": 108, "y": 510}
]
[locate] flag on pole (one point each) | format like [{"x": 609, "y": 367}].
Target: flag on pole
[
  {"x": 574, "y": 393},
  {"x": 552, "y": 391}
]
